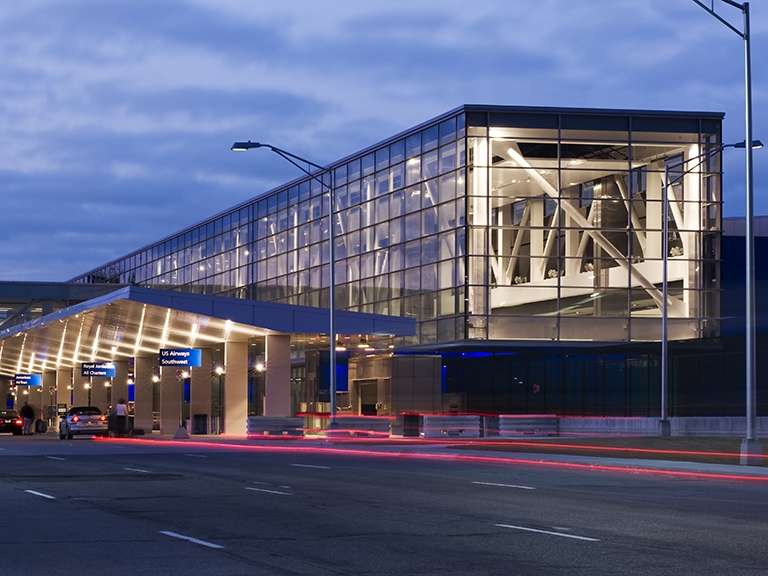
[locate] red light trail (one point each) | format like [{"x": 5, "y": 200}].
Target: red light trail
[{"x": 441, "y": 457}]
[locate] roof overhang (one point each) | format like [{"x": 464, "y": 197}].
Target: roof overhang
[{"x": 133, "y": 321}]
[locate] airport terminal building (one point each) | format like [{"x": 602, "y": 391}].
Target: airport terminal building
[{"x": 493, "y": 259}]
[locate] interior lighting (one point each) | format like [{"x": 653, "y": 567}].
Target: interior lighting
[
  {"x": 155, "y": 378},
  {"x": 219, "y": 370},
  {"x": 185, "y": 374},
  {"x": 259, "y": 367}
]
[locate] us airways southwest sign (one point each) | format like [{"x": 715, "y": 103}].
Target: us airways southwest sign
[{"x": 188, "y": 357}]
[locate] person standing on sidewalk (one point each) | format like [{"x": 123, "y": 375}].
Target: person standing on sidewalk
[
  {"x": 121, "y": 417},
  {"x": 27, "y": 413}
]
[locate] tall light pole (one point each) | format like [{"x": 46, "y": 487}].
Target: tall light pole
[
  {"x": 665, "y": 425},
  {"x": 750, "y": 443},
  {"x": 296, "y": 161}
]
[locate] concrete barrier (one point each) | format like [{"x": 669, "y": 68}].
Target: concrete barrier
[
  {"x": 362, "y": 426},
  {"x": 450, "y": 426},
  {"x": 642, "y": 426},
  {"x": 511, "y": 425},
  {"x": 271, "y": 426}
]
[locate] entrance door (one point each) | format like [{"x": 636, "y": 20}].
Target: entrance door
[{"x": 369, "y": 396}]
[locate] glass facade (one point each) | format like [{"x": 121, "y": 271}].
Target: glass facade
[{"x": 486, "y": 223}]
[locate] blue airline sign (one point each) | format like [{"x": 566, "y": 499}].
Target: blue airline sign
[
  {"x": 28, "y": 380},
  {"x": 104, "y": 369},
  {"x": 180, "y": 357}
]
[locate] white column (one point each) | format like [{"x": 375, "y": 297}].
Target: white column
[
  {"x": 63, "y": 383},
  {"x": 200, "y": 387},
  {"x": 48, "y": 393},
  {"x": 144, "y": 369},
  {"x": 236, "y": 388},
  {"x": 80, "y": 392},
  {"x": 100, "y": 393},
  {"x": 537, "y": 238},
  {"x": 170, "y": 400},
  {"x": 277, "y": 399},
  {"x": 120, "y": 382}
]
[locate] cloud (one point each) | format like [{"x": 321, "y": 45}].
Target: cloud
[{"x": 117, "y": 117}]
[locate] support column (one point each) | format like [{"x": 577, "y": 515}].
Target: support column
[
  {"x": 80, "y": 391},
  {"x": 48, "y": 396},
  {"x": 277, "y": 397},
  {"x": 200, "y": 388},
  {"x": 100, "y": 393},
  {"x": 144, "y": 369},
  {"x": 120, "y": 382},
  {"x": 5, "y": 391},
  {"x": 170, "y": 400},
  {"x": 236, "y": 388},
  {"x": 63, "y": 386}
]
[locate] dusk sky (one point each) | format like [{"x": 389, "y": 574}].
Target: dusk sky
[{"x": 116, "y": 117}]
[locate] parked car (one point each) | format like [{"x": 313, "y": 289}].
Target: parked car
[
  {"x": 83, "y": 420},
  {"x": 10, "y": 421}
]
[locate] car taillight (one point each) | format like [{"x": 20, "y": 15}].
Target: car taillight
[
  {"x": 103, "y": 418},
  {"x": 18, "y": 422},
  {"x": 75, "y": 419}
]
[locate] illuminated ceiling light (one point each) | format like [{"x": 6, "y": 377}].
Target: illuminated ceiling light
[
  {"x": 87, "y": 386},
  {"x": 95, "y": 346},
  {"x": 130, "y": 381},
  {"x": 575, "y": 162},
  {"x": 193, "y": 333},
  {"x": 219, "y": 370},
  {"x": 185, "y": 374},
  {"x": 166, "y": 325},
  {"x": 259, "y": 367},
  {"x": 137, "y": 343},
  {"x": 107, "y": 384},
  {"x": 227, "y": 329},
  {"x": 155, "y": 378},
  {"x": 113, "y": 349},
  {"x": 341, "y": 348},
  {"x": 70, "y": 387}
]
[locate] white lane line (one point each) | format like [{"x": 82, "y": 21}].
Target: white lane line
[
  {"x": 526, "y": 529},
  {"x": 520, "y": 486},
  {"x": 55, "y": 458},
  {"x": 41, "y": 494},
  {"x": 268, "y": 491},
  {"x": 196, "y": 455},
  {"x": 138, "y": 470},
  {"x": 190, "y": 539},
  {"x": 311, "y": 466}
]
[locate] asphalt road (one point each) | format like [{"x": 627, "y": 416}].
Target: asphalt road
[{"x": 95, "y": 508}]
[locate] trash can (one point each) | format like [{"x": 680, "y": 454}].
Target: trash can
[
  {"x": 411, "y": 424},
  {"x": 200, "y": 424}
]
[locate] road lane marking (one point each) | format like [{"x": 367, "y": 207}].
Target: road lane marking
[
  {"x": 268, "y": 491},
  {"x": 311, "y": 466},
  {"x": 41, "y": 494},
  {"x": 526, "y": 529},
  {"x": 196, "y": 455},
  {"x": 520, "y": 486},
  {"x": 55, "y": 458},
  {"x": 191, "y": 539},
  {"x": 138, "y": 470}
]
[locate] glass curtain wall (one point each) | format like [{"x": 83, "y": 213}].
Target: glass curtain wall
[
  {"x": 565, "y": 226},
  {"x": 399, "y": 216}
]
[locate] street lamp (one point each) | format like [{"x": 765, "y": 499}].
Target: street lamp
[
  {"x": 296, "y": 160},
  {"x": 665, "y": 425},
  {"x": 750, "y": 443}
]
